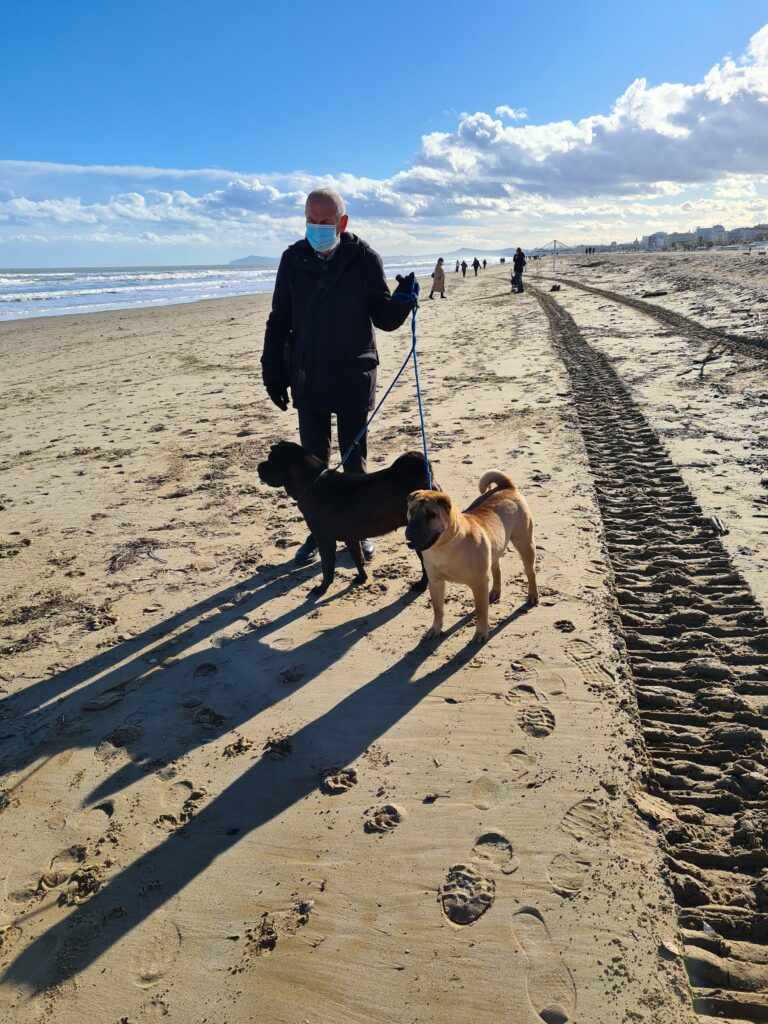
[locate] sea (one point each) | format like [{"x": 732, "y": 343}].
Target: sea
[{"x": 28, "y": 293}]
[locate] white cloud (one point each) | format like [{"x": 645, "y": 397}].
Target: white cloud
[
  {"x": 513, "y": 113},
  {"x": 663, "y": 155}
]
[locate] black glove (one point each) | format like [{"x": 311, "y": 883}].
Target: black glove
[
  {"x": 279, "y": 395},
  {"x": 406, "y": 287}
]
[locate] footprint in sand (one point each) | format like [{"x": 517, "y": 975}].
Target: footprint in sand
[
  {"x": 495, "y": 850},
  {"x": 587, "y": 820},
  {"x": 466, "y": 894},
  {"x": 486, "y": 793},
  {"x": 382, "y": 819},
  {"x": 585, "y": 656},
  {"x": 9, "y": 936},
  {"x": 534, "y": 718},
  {"x": 119, "y": 741},
  {"x": 189, "y": 797},
  {"x": 519, "y": 763},
  {"x": 538, "y": 721},
  {"x": 334, "y": 781},
  {"x": 549, "y": 985},
  {"x": 60, "y": 870},
  {"x": 156, "y": 953},
  {"x": 539, "y": 677},
  {"x": 567, "y": 874}
]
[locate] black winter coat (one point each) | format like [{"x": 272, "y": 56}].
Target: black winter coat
[{"x": 319, "y": 337}]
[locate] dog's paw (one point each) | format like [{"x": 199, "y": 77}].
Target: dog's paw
[
  {"x": 494, "y": 596},
  {"x": 319, "y": 590},
  {"x": 434, "y": 631},
  {"x": 362, "y": 577},
  {"x": 480, "y": 637},
  {"x": 533, "y": 599}
]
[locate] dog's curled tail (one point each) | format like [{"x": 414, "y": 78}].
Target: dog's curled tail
[{"x": 493, "y": 476}]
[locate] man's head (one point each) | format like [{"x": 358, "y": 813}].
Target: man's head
[
  {"x": 440, "y": 261},
  {"x": 326, "y": 218}
]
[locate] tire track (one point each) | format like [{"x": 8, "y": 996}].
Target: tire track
[
  {"x": 675, "y": 321},
  {"x": 697, "y": 643}
]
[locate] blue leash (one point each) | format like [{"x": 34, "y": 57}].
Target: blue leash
[{"x": 411, "y": 297}]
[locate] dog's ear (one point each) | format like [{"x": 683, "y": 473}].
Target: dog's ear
[{"x": 442, "y": 501}]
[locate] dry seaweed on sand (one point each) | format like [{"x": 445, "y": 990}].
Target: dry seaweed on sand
[{"x": 131, "y": 552}]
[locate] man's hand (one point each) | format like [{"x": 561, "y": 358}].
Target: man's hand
[
  {"x": 279, "y": 395},
  {"x": 407, "y": 285}
]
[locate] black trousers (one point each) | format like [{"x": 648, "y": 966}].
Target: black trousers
[{"x": 315, "y": 436}]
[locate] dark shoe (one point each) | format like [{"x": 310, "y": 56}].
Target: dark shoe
[
  {"x": 368, "y": 549},
  {"x": 307, "y": 552},
  {"x": 443, "y": 296},
  {"x": 431, "y": 295}
]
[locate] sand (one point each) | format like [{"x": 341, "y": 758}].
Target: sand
[{"x": 223, "y": 801}]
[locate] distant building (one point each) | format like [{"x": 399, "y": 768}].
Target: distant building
[
  {"x": 714, "y": 234},
  {"x": 681, "y": 238},
  {"x": 655, "y": 241}
]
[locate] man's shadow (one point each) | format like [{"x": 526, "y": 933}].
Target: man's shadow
[
  {"x": 265, "y": 790},
  {"x": 59, "y": 713}
]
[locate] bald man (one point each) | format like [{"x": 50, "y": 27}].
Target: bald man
[{"x": 329, "y": 295}]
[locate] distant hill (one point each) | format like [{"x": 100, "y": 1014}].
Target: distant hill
[
  {"x": 253, "y": 261},
  {"x": 464, "y": 252},
  {"x": 457, "y": 254}
]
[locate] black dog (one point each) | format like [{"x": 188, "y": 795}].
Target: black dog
[{"x": 345, "y": 507}]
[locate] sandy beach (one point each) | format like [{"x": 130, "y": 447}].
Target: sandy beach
[{"x": 223, "y": 802}]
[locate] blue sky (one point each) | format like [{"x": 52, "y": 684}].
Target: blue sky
[{"x": 188, "y": 131}]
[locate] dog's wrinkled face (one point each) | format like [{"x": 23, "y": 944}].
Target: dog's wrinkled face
[
  {"x": 276, "y": 470},
  {"x": 429, "y": 514}
]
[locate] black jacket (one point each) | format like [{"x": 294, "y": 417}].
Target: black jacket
[
  {"x": 319, "y": 337},
  {"x": 518, "y": 261}
]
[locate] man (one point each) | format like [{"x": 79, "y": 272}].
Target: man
[
  {"x": 330, "y": 293},
  {"x": 518, "y": 265}
]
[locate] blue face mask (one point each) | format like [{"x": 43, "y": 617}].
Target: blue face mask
[{"x": 321, "y": 237}]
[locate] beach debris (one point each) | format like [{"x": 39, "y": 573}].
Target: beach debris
[
  {"x": 431, "y": 797},
  {"x": 717, "y": 527},
  {"x": 712, "y": 356},
  {"x": 654, "y": 295},
  {"x": 669, "y": 950},
  {"x": 131, "y": 552},
  {"x": 9, "y": 548},
  {"x": 555, "y": 288}
]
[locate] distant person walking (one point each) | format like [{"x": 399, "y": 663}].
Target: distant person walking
[
  {"x": 438, "y": 280},
  {"x": 518, "y": 266},
  {"x": 463, "y": 268},
  {"x": 475, "y": 265},
  {"x": 457, "y": 267},
  {"x": 484, "y": 262}
]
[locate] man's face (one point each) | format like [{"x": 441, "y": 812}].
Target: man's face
[{"x": 322, "y": 211}]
